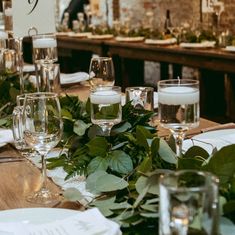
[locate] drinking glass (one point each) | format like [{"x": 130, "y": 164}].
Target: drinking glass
[
  {"x": 44, "y": 53},
  {"x": 106, "y": 110},
  {"x": 178, "y": 106},
  {"x": 188, "y": 203},
  {"x": 42, "y": 131},
  {"x": 140, "y": 97},
  {"x": 7, "y": 14},
  {"x": 101, "y": 72}
]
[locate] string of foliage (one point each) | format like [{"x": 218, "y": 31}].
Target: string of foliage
[{"x": 122, "y": 171}]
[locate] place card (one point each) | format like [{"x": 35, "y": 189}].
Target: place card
[{"x": 33, "y": 14}]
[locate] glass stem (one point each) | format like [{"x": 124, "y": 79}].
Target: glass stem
[
  {"x": 44, "y": 173},
  {"x": 179, "y": 137},
  {"x": 106, "y": 130}
]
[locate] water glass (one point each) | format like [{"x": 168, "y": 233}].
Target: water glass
[
  {"x": 101, "y": 72},
  {"x": 50, "y": 78},
  {"x": 44, "y": 48},
  {"x": 140, "y": 97},
  {"x": 178, "y": 106},
  {"x": 188, "y": 203},
  {"x": 106, "y": 109}
]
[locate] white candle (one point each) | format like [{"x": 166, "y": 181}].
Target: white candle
[
  {"x": 8, "y": 12},
  {"x": 44, "y": 43},
  {"x": 105, "y": 97},
  {"x": 178, "y": 95}
]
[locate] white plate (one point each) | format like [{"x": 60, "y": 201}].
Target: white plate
[
  {"x": 71, "y": 78},
  {"x": 205, "y": 44},
  {"x": 211, "y": 139},
  {"x": 129, "y": 39},
  {"x": 169, "y": 41},
  {"x": 35, "y": 215},
  {"x": 103, "y": 36},
  {"x": 230, "y": 48}
]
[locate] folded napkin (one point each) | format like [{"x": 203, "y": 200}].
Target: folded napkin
[
  {"x": 210, "y": 140},
  {"x": 73, "y": 77},
  {"x": 90, "y": 222},
  {"x": 6, "y": 137}
]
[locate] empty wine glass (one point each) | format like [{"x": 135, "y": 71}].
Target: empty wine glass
[
  {"x": 42, "y": 131},
  {"x": 178, "y": 106},
  {"x": 44, "y": 53},
  {"x": 101, "y": 72},
  {"x": 106, "y": 110}
]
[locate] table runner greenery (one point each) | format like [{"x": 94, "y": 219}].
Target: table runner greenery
[{"x": 123, "y": 170}]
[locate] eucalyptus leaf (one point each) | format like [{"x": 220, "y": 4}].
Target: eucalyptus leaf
[
  {"x": 120, "y": 162},
  {"x": 80, "y": 127},
  {"x": 166, "y": 152},
  {"x": 72, "y": 194}
]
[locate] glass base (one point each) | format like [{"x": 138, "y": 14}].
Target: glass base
[{"x": 44, "y": 197}]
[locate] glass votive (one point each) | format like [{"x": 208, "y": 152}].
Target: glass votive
[
  {"x": 140, "y": 97},
  {"x": 188, "y": 203}
]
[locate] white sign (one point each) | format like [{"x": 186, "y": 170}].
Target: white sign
[{"x": 38, "y": 14}]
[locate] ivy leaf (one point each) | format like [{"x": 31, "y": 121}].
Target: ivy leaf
[
  {"x": 120, "y": 162},
  {"x": 98, "y": 164},
  {"x": 80, "y": 127},
  {"x": 196, "y": 151},
  {"x": 98, "y": 146},
  {"x": 166, "y": 152},
  {"x": 222, "y": 163}
]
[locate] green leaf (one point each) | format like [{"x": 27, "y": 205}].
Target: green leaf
[
  {"x": 80, "y": 127},
  {"x": 166, "y": 152},
  {"x": 100, "y": 181},
  {"x": 190, "y": 163},
  {"x": 109, "y": 183},
  {"x": 72, "y": 194},
  {"x": 222, "y": 164},
  {"x": 142, "y": 136},
  {"x": 196, "y": 151},
  {"x": 98, "y": 164},
  {"x": 91, "y": 181},
  {"x": 66, "y": 114},
  {"x": 145, "y": 165},
  {"x": 155, "y": 147},
  {"x": 98, "y": 146},
  {"x": 120, "y": 162}
]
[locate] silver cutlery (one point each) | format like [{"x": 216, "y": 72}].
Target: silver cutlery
[{"x": 10, "y": 159}]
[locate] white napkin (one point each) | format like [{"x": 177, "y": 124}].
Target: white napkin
[
  {"x": 90, "y": 222},
  {"x": 6, "y": 136},
  {"x": 73, "y": 77},
  {"x": 209, "y": 144}
]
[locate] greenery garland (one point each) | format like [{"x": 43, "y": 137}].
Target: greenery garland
[{"x": 122, "y": 170}]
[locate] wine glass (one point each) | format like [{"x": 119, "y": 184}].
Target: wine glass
[
  {"x": 106, "y": 110},
  {"x": 44, "y": 53},
  {"x": 42, "y": 131},
  {"x": 178, "y": 106},
  {"x": 101, "y": 72}
]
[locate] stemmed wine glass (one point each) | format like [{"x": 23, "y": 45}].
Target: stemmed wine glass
[
  {"x": 44, "y": 53},
  {"x": 106, "y": 110},
  {"x": 43, "y": 128},
  {"x": 101, "y": 72},
  {"x": 178, "y": 106}
]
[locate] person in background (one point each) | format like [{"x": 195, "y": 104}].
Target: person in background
[{"x": 74, "y": 7}]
